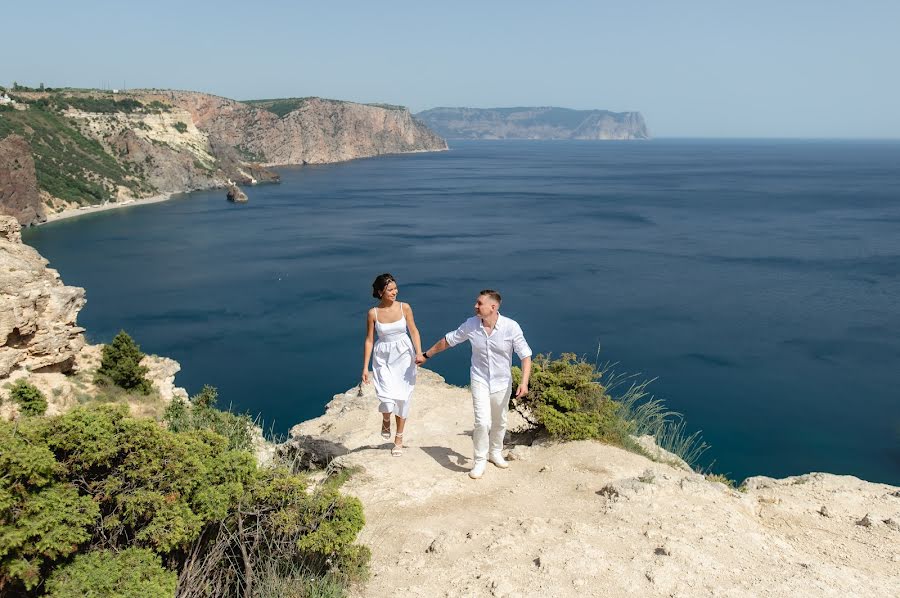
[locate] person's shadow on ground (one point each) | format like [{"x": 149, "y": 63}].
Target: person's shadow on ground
[{"x": 445, "y": 457}]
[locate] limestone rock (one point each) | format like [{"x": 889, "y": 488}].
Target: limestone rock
[
  {"x": 235, "y": 194},
  {"x": 38, "y": 313}
]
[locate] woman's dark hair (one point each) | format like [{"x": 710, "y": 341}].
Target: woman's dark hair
[{"x": 381, "y": 283}]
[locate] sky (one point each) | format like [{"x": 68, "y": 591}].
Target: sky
[{"x": 788, "y": 68}]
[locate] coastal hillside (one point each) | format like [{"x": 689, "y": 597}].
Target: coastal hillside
[
  {"x": 534, "y": 123},
  {"x": 588, "y": 519},
  {"x": 88, "y": 147}
]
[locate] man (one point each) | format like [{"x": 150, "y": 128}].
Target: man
[{"x": 493, "y": 338}]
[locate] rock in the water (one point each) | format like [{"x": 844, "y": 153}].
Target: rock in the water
[{"x": 235, "y": 194}]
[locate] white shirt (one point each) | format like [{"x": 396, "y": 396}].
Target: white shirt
[{"x": 491, "y": 354}]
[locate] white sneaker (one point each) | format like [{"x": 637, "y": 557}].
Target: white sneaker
[
  {"x": 498, "y": 460},
  {"x": 477, "y": 470}
]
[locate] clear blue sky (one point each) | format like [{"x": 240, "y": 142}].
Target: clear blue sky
[{"x": 694, "y": 68}]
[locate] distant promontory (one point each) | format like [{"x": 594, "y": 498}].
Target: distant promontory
[{"x": 546, "y": 122}]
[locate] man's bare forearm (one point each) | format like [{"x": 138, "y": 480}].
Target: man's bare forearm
[{"x": 441, "y": 345}]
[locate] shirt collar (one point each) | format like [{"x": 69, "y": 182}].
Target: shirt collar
[{"x": 496, "y": 325}]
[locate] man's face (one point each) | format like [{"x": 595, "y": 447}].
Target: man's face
[{"x": 485, "y": 306}]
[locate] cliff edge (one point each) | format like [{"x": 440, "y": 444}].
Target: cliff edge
[{"x": 587, "y": 519}]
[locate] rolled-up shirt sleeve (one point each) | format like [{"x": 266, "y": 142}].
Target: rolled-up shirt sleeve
[
  {"x": 459, "y": 335},
  {"x": 520, "y": 345}
]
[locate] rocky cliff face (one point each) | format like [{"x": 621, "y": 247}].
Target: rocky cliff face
[
  {"x": 19, "y": 195},
  {"x": 41, "y": 341},
  {"x": 318, "y": 131},
  {"x": 587, "y": 519},
  {"x": 38, "y": 313},
  {"x": 534, "y": 123},
  {"x": 151, "y": 142}
]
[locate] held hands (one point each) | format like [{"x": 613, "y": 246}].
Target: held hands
[
  {"x": 522, "y": 390},
  {"x": 420, "y": 359}
]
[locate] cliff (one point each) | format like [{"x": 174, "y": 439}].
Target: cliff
[
  {"x": 91, "y": 148},
  {"x": 19, "y": 195},
  {"x": 587, "y": 519},
  {"x": 37, "y": 311},
  {"x": 40, "y": 339},
  {"x": 308, "y": 130},
  {"x": 534, "y": 123}
]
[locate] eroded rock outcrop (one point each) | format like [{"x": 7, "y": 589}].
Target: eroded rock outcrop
[
  {"x": 234, "y": 193},
  {"x": 19, "y": 196},
  {"x": 38, "y": 313}
]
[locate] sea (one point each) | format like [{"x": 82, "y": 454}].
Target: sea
[{"x": 755, "y": 282}]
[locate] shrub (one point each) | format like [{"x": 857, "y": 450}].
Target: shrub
[
  {"x": 98, "y": 475},
  {"x": 180, "y": 127},
  {"x": 132, "y": 572},
  {"x": 200, "y": 413},
  {"x": 284, "y": 536},
  {"x": 121, "y": 364},
  {"x": 31, "y": 400},
  {"x": 567, "y": 399}
]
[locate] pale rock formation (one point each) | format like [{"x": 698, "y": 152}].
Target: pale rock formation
[
  {"x": 587, "y": 519},
  {"x": 38, "y": 313},
  {"x": 41, "y": 340}
]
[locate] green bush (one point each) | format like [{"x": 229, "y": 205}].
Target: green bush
[
  {"x": 90, "y": 500},
  {"x": 121, "y": 364},
  {"x": 284, "y": 536},
  {"x": 567, "y": 400},
  {"x": 180, "y": 127},
  {"x": 31, "y": 400},
  {"x": 96, "y": 474},
  {"x": 566, "y": 397},
  {"x": 200, "y": 413},
  {"x": 132, "y": 572}
]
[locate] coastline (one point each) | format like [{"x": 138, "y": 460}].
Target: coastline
[{"x": 66, "y": 214}]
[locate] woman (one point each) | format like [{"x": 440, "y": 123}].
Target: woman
[{"x": 393, "y": 356}]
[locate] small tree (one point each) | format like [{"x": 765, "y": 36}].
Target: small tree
[
  {"x": 31, "y": 401},
  {"x": 121, "y": 364}
]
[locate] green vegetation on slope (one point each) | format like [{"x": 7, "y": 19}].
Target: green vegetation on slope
[
  {"x": 97, "y": 503},
  {"x": 279, "y": 106},
  {"x": 68, "y": 165}
]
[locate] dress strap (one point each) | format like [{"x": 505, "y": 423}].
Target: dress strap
[{"x": 376, "y": 314}]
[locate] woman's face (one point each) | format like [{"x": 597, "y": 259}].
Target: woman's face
[{"x": 390, "y": 291}]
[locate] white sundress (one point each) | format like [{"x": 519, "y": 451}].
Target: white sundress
[{"x": 394, "y": 366}]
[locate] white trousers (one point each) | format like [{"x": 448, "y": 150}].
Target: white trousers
[{"x": 490, "y": 419}]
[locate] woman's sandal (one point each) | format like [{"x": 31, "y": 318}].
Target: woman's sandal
[
  {"x": 386, "y": 429},
  {"x": 396, "y": 451}
]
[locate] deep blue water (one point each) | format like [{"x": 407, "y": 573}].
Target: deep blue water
[{"x": 757, "y": 280}]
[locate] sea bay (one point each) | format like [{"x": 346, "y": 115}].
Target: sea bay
[{"x": 756, "y": 280}]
